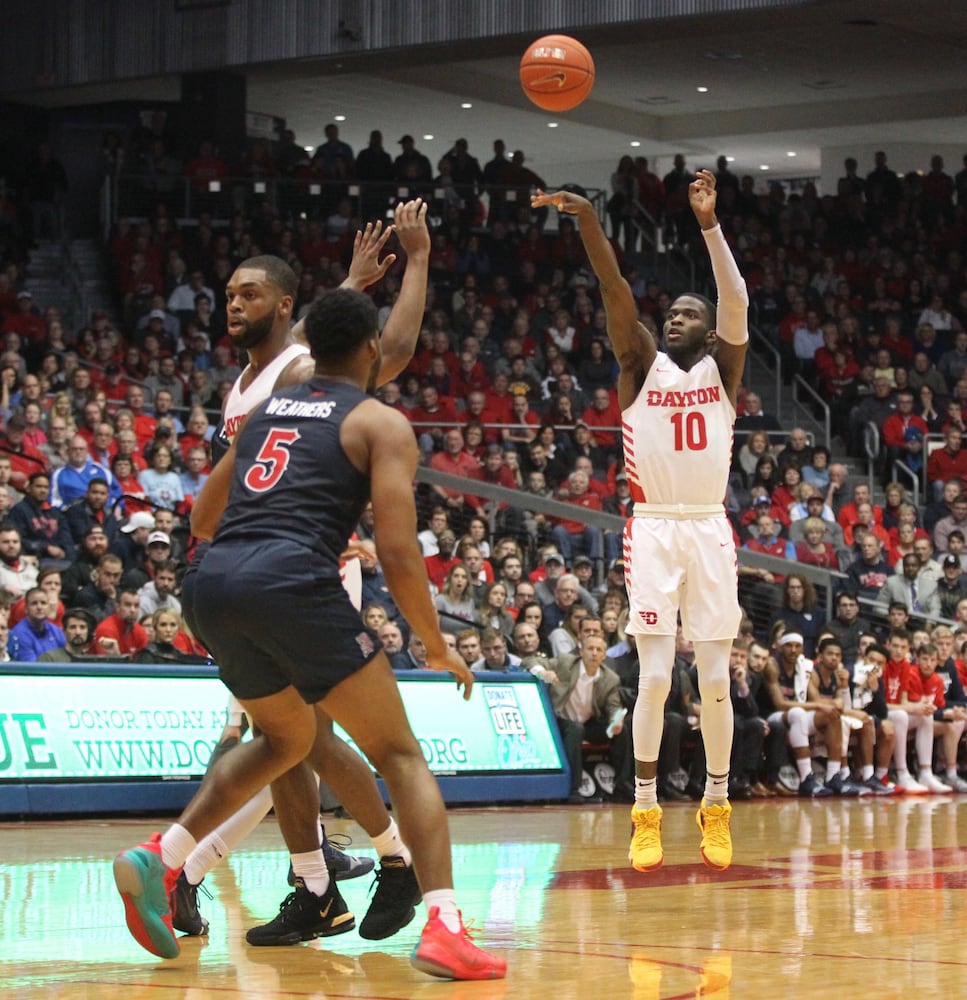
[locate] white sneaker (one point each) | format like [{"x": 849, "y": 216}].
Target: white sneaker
[
  {"x": 932, "y": 783},
  {"x": 908, "y": 785},
  {"x": 956, "y": 783}
]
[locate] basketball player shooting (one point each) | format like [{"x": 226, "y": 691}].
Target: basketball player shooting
[{"x": 678, "y": 409}]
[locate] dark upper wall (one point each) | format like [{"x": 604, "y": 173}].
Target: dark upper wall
[{"x": 62, "y": 43}]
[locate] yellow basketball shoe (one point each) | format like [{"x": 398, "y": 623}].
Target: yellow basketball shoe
[
  {"x": 714, "y": 821},
  {"x": 645, "y": 853}
]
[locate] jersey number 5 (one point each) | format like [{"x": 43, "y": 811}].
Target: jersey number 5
[
  {"x": 272, "y": 459},
  {"x": 689, "y": 431}
]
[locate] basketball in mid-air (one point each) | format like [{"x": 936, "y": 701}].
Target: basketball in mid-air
[{"x": 556, "y": 72}]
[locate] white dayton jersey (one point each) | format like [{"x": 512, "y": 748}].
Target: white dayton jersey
[
  {"x": 677, "y": 435},
  {"x": 241, "y": 402},
  {"x": 678, "y": 548}
]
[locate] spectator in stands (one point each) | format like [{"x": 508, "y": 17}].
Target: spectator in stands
[
  {"x": 43, "y": 530},
  {"x": 78, "y": 632},
  {"x": 194, "y": 477},
  {"x": 766, "y": 474},
  {"x": 865, "y": 522},
  {"x": 71, "y": 482},
  {"x": 948, "y": 462},
  {"x": 392, "y": 639},
  {"x": 923, "y": 550},
  {"x": 439, "y": 521},
  {"x": 468, "y": 645},
  {"x": 161, "y": 483},
  {"x": 754, "y": 418},
  {"x": 122, "y": 627},
  {"x": 602, "y": 415},
  {"x": 24, "y": 459},
  {"x": 598, "y": 719},
  {"x": 493, "y": 646},
  {"x": 18, "y": 574},
  {"x": 755, "y": 447},
  {"x": 812, "y": 503},
  {"x": 936, "y": 510},
  {"x": 872, "y": 409},
  {"x": 816, "y": 472},
  {"x": 492, "y": 609},
  {"x": 455, "y": 603},
  {"x": 750, "y": 728},
  {"x": 35, "y": 634},
  {"x": 869, "y": 571},
  {"x": 133, "y": 539},
  {"x": 566, "y": 595},
  {"x": 432, "y": 407},
  {"x": 815, "y": 549},
  {"x": 903, "y": 436},
  {"x": 951, "y": 587},
  {"x": 159, "y": 592},
  {"x": 439, "y": 565},
  {"x": 847, "y": 625},
  {"x": 98, "y": 593},
  {"x": 800, "y": 610},
  {"x": 915, "y": 590},
  {"x": 797, "y": 451},
  {"x": 848, "y": 512},
  {"x": 574, "y": 536},
  {"x": 565, "y": 638},
  {"x": 92, "y": 509},
  {"x": 956, "y": 519}
]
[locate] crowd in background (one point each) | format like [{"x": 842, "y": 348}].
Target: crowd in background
[{"x": 862, "y": 291}]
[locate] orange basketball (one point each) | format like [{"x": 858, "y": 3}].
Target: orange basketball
[{"x": 557, "y": 72}]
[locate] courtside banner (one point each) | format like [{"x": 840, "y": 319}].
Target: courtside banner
[{"x": 116, "y": 722}]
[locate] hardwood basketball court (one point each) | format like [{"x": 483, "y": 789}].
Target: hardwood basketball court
[{"x": 848, "y": 898}]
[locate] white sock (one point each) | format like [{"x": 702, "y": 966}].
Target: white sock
[
  {"x": 832, "y": 769},
  {"x": 390, "y": 844},
  {"x": 881, "y": 772},
  {"x": 843, "y": 772},
  {"x": 446, "y": 900},
  {"x": 716, "y": 787},
  {"x": 222, "y": 841},
  {"x": 204, "y": 857},
  {"x": 804, "y": 766},
  {"x": 311, "y": 868},
  {"x": 646, "y": 792},
  {"x": 176, "y": 844},
  {"x": 952, "y": 771},
  {"x": 866, "y": 772}
]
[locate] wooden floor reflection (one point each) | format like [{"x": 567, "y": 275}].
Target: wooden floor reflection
[{"x": 826, "y": 899}]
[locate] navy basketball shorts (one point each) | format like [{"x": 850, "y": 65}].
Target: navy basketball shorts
[
  {"x": 275, "y": 614},
  {"x": 188, "y": 591}
]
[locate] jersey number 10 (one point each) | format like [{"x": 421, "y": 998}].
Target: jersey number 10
[{"x": 689, "y": 431}]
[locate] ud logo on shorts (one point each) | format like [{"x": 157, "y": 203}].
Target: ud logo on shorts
[{"x": 649, "y": 617}]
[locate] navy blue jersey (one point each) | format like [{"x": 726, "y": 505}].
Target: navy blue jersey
[
  {"x": 219, "y": 443},
  {"x": 292, "y": 480}
]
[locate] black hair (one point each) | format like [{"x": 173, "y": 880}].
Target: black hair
[
  {"x": 277, "y": 271},
  {"x": 338, "y": 324},
  {"x": 829, "y": 641}
]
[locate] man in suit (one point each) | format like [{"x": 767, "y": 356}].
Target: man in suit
[
  {"x": 587, "y": 703},
  {"x": 915, "y": 589}
]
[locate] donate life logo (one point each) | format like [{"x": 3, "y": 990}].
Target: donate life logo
[{"x": 514, "y": 749}]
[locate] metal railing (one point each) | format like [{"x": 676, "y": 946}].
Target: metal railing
[
  {"x": 753, "y": 360},
  {"x": 906, "y": 473},
  {"x": 137, "y": 196},
  {"x": 800, "y": 384},
  {"x": 871, "y": 448}
]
